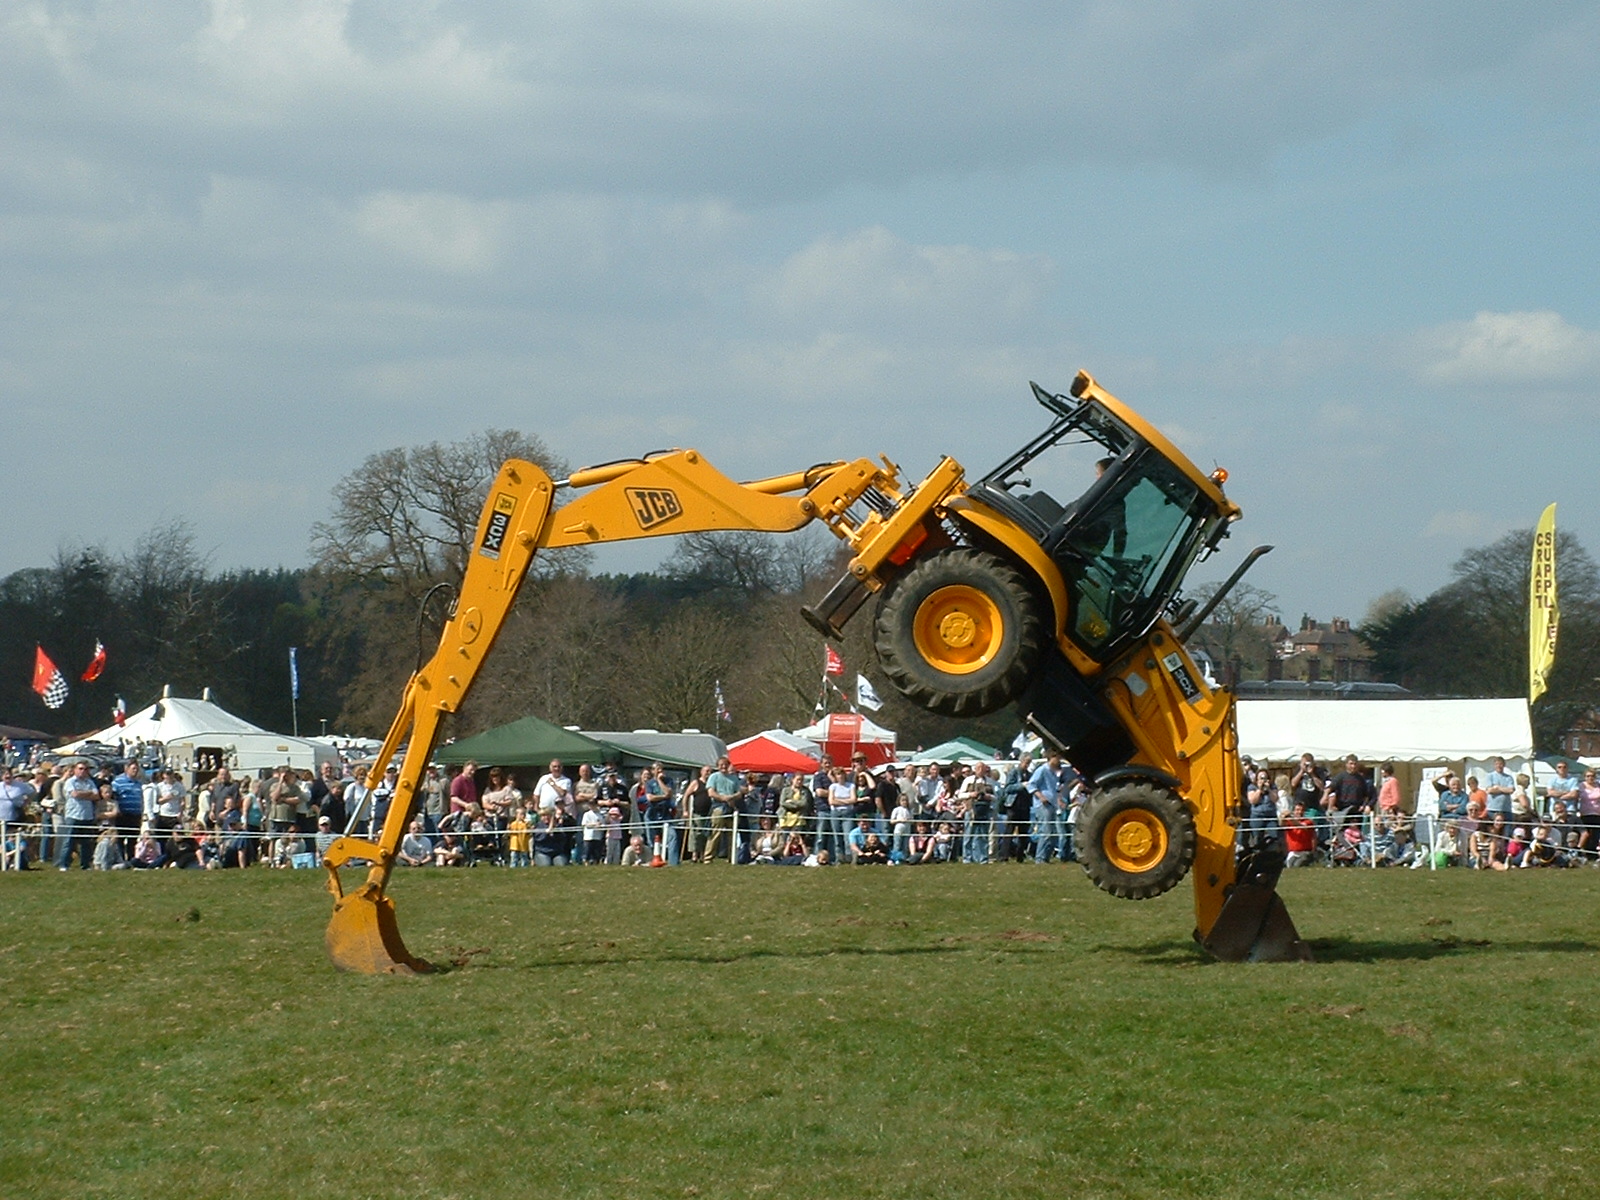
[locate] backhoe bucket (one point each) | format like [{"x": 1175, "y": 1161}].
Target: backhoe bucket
[
  {"x": 1254, "y": 924},
  {"x": 364, "y": 937}
]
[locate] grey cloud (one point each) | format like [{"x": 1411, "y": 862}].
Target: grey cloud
[{"x": 497, "y": 100}]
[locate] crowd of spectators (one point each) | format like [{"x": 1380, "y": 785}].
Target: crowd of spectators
[
  {"x": 141, "y": 816},
  {"x": 1497, "y": 822}
]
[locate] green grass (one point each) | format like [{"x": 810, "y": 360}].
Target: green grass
[{"x": 974, "y": 1032}]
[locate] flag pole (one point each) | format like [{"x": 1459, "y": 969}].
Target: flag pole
[{"x": 294, "y": 690}]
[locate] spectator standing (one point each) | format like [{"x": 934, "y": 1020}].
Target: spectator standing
[
  {"x": 45, "y": 787},
  {"x": 283, "y": 800},
  {"x": 1498, "y": 788},
  {"x": 1453, "y": 799},
  {"x": 519, "y": 841},
  {"x": 697, "y": 810},
  {"x": 1589, "y": 817},
  {"x": 977, "y": 793},
  {"x": 80, "y": 796},
  {"x": 586, "y": 788},
  {"x": 327, "y": 776},
  {"x": 1017, "y": 803},
  {"x": 655, "y": 799},
  {"x": 1309, "y": 785},
  {"x": 1261, "y": 821},
  {"x": 434, "y": 795},
  {"x": 501, "y": 798},
  {"x": 128, "y": 787},
  {"x": 1563, "y": 787},
  {"x": 383, "y": 796},
  {"x": 1351, "y": 792},
  {"x": 594, "y": 834},
  {"x": 725, "y": 792},
  {"x": 553, "y": 789},
  {"x": 357, "y": 803},
  {"x": 615, "y": 834},
  {"x": 1388, "y": 791},
  {"x": 1049, "y": 786},
  {"x": 464, "y": 788},
  {"x": 841, "y": 814}
]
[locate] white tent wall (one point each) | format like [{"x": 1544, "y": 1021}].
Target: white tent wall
[
  {"x": 1411, "y": 734},
  {"x": 1420, "y": 731}
]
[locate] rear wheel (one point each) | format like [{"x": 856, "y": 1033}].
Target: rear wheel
[
  {"x": 960, "y": 632},
  {"x": 1136, "y": 840}
]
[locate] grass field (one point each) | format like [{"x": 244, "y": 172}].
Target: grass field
[{"x": 973, "y": 1032}]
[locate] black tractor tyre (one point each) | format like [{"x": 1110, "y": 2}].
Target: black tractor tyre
[
  {"x": 1135, "y": 840},
  {"x": 960, "y": 633}
]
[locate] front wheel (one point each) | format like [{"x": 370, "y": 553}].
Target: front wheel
[
  {"x": 1136, "y": 840},
  {"x": 960, "y": 632}
]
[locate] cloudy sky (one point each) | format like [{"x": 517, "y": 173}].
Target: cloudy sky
[{"x": 1347, "y": 250}]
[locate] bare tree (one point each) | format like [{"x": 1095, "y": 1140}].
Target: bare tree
[
  {"x": 407, "y": 517},
  {"x": 757, "y": 564},
  {"x": 563, "y": 655},
  {"x": 1236, "y": 631}
]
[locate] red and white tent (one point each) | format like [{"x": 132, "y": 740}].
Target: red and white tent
[
  {"x": 775, "y": 751},
  {"x": 844, "y": 735}
]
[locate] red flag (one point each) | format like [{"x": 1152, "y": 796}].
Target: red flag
[
  {"x": 119, "y": 714},
  {"x": 48, "y": 680},
  {"x": 97, "y": 664},
  {"x": 832, "y": 664}
]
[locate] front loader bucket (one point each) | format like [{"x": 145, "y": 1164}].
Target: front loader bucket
[
  {"x": 1254, "y": 925},
  {"x": 364, "y": 937}
]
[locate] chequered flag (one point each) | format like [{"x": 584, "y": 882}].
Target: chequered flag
[{"x": 48, "y": 680}]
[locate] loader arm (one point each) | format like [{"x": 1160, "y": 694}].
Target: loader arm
[{"x": 671, "y": 493}]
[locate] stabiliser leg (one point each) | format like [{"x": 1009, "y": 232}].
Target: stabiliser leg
[{"x": 1254, "y": 925}]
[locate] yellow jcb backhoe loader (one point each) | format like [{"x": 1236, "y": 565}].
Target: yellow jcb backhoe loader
[{"x": 988, "y": 593}]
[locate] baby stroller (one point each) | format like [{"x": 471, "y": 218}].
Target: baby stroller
[{"x": 1347, "y": 848}]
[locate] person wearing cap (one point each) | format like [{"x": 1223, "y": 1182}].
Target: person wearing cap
[{"x": 325, "y": 836}]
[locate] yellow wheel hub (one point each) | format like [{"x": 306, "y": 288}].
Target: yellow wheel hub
[
  {"x": 1135, "y": 841},
  {"x": 958, "y": 629}
]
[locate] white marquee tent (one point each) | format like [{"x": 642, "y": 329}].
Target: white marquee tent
[
  {"x": 1417, "y": 731},
  {"x": 204, "y": 725}
]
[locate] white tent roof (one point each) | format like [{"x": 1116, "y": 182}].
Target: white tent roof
[
  {"x": 176, "y": 722},
  {"x": 1376, "y": 730},
  {"x": 172, "y": 719}
]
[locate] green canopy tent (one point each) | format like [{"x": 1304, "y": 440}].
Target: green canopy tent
[
  {"x": 529, "y": 742},
  {"x": 955, "y": 750}
]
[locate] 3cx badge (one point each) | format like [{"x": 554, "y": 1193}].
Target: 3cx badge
[
  {"x": 652, "y": 506},
  {"x": 494, "y": 533}
]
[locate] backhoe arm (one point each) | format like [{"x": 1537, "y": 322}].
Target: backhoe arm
[{"x": 672, "y": 493}]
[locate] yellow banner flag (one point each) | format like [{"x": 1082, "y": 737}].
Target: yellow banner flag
[{"x": 1543, "y": 613}]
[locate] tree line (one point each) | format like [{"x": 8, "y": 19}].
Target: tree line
[{"x": 646, "y": 650}]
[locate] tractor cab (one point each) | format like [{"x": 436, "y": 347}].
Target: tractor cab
[{"x": 1141, "y": 515}]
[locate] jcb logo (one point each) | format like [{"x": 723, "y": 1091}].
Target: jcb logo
[
  {"x": 652, "y": 506},
  {"x": 494, "y": 534}
]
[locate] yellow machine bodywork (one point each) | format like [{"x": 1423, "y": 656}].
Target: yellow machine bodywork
[{"x": 1190, "y": 736}]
